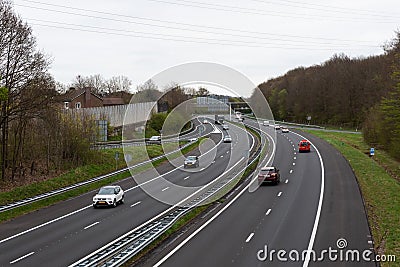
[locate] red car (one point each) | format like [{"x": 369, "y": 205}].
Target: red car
[
  {"x": 269, "y": 175},
  {"x": 304, "y": 146}
]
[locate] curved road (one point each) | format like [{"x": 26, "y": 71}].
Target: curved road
[
  {"x": 64, "y": 233},
  {"x": 317, "y": 203}
]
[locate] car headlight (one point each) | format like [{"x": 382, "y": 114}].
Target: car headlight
[{"x": 108, "y": 198}]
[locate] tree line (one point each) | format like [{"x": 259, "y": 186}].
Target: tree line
[
  {"x": 98, "y": 84},
  {"x": 35, "y": 136},
  {"x": 382, "y": 123},
  {"x": 338, "y": 92},
  {"x": 360, "y": 93}
]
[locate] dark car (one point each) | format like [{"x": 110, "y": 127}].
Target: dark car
[
  {"x": 269, "y": 175},
  {"x": 191, "y": 162}
]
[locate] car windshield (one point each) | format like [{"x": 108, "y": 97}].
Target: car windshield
[
  {"x": 266, "y": 171},
  {"x": 154, "y": 137},
  {"x": 227, "y": 137},
  {"x": 106, "y": 191},
  {"x": 191, "y": 158},
  {"x": 303, "y": 143}
]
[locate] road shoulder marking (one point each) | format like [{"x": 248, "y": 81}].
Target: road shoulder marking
[{"x": 23, "y": 257}]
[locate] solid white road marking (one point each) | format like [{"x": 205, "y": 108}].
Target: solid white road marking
[
  {"x": 90, "y": 206},
  {"x": 23, "y": 257},
  {"x": 291, "y": 171},
  {"x": 93, "y": 224},
  {"x": 319, "y": 208},
  {"x": 249, "y": 237},
  {"x": 187, "y": 177},
  {"x": 44, "y": 224},
  {"x": 135, "y": 204},
  {"x": 165, "y": 189},
  {"x": 181, "y": 244},
  {"x": 279, "y": 194},
  {"x": 268, "y": 212}
]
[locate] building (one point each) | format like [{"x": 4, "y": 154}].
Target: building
[
  {"x": 213, "y": 103},
  {"x": 81, "y": 98}
]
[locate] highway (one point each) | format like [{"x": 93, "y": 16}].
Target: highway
[
  {"x": 68, "y": 231},
  {"x": 317, "y": 203}
]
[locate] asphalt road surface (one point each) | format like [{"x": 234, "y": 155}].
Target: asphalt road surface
[
  {"x": 65, "y": 232},
  {"x": 316, "y": 206}
]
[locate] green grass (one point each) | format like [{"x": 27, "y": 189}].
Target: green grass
[
  {"x": 380, "y": 189},
  {"x": 107, "y": 164}
]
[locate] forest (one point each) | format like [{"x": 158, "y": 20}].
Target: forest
[{"x": 353, "y": 93}]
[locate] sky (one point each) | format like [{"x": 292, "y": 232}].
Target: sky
[{"x": 262, "y": 39}]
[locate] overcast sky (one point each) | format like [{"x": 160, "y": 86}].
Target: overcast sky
[{"x": 260, "y": 38}]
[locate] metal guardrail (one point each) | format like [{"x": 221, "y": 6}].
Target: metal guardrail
[
  {"x": 124, "y": 248},
  {"x": 142, "y": 141},
  {"x": 29, "y": 200}
]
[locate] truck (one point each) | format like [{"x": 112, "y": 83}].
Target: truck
[{"x": 219, "y": 119}]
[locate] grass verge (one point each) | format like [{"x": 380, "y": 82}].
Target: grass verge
[
  {"x": 74, "y": 176},
  {"x": 378, "y": 180}
]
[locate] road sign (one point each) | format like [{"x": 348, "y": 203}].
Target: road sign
[{"x": 372, "y": 151}]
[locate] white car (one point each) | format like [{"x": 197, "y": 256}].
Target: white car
[
  {"x": 205, "y": 121},
  {"x": 194, "y": 139},
  {"x": 191, "y": 162},
  {"x": 265, "y": 123},
  {"x": 277, "y": 127},
  {"x": 155, "y": 139},
  {"x": 227, "y": 139},
  {"x": 109, "y": 196},
  {"x": 285, "y": 130}
]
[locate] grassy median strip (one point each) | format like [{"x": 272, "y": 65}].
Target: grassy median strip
[
  {"x": 379, "y": 186},
  {"x": 75, "y": 176}
]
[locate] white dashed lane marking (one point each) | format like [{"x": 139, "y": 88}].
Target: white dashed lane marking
[
  {"x": 135, "y": 204},
  {"x": 93, "y": 224},
  {"x": 249, "y": 237}
]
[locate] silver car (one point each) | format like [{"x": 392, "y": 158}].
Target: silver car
[{"x": 191, "y": 162}]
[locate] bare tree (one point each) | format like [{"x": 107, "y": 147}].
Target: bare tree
[
  {"x": 203, "y": 91},
  {"x": 97, "y": 83},
  {"x": 20, "y": 64},
  {"x": 146, "y": 92},
  {"x": 118, "y": 84}
]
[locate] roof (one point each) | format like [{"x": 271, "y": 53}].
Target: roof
[
  {"x": 267, "y": 168},
  {"x": 110, "y": 186},
  {"x": 74, "y": 93},
  {"x": 110, "y": 101}
]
